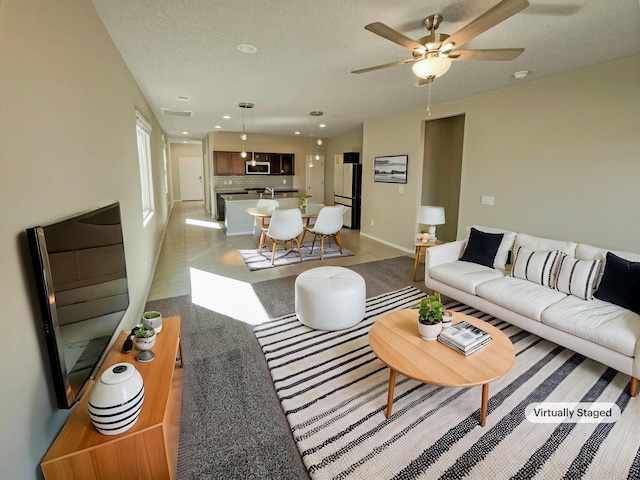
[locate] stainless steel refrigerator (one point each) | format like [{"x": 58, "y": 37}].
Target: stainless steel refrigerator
[{"x": 347, "y": 187}]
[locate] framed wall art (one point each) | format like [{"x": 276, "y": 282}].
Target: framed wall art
[{"x": 392, "y": 169}]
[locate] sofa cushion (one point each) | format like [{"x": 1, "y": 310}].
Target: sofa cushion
[
  {"x": 482, "y": 247},
  {"x": 589, "y": 252},
  {"x": 506, "y": 245},
  {"x": 518, "y": 295},
  {"x": 600, "y": 322},
  {"x": 577, "y": 277},
  {"x": 543, "y": 244},
  {"x": 464, "y": 276},
  {"x": 538, "y": 267},
  {"x": 621, "y": 283}
]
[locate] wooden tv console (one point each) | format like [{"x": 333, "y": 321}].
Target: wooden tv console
[{"x": 149, "y": 449}]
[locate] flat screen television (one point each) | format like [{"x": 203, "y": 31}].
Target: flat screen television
[{"x": 81, "y": 279}]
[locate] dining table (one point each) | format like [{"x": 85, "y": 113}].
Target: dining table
[{"x": 264, "y": 214}]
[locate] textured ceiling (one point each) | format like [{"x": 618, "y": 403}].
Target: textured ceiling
[{"x": 307, "y": 49}]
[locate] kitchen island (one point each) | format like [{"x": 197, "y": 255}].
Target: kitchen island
[{"x": 239, "y": 222}]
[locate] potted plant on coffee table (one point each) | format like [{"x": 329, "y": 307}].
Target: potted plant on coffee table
[{"x": 429, "y": 316}]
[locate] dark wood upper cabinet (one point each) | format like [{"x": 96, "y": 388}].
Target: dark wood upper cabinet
[{"x": 231, "y": 163}]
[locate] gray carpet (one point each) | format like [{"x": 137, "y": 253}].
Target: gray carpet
[{"x": 232, "y": 425}]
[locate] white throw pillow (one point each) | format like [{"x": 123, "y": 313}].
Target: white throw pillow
[
  {"x": 577, "y": 277},
  {"x": 537, "y": 267}
]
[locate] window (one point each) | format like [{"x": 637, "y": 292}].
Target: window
[
  {"x": 164, "y": 158},
  {"x": 143, "y": 130}
]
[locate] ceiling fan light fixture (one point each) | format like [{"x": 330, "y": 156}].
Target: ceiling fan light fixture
[
  {"x": 447, "y": 47},
  {"x": 432, "y": 66}
]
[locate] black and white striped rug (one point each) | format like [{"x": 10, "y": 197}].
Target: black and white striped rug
[{"x": 333, "y": 390}]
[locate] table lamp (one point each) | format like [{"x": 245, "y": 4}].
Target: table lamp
[{"x": 432, "y": 216}]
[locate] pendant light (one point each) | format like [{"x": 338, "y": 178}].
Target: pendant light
[
  {"x": 243, "y": 135},
  {"x": 310, "y": 152},
  {"x": 316, "y": 113}
]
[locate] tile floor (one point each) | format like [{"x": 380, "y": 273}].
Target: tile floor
[{"x": 196, "y": 243}]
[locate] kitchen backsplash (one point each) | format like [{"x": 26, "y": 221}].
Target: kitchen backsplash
[{"x": 242, "y": 182}]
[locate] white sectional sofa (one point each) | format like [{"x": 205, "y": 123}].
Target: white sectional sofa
[{"x": 546, "y": 287}]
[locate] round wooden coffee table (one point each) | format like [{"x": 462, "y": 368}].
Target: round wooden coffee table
[{"x": 395, "y": 340}]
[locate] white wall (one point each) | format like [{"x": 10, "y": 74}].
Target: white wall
[
  {"x": 560, "y": 155},
  {"x": 67, "y": 145}
]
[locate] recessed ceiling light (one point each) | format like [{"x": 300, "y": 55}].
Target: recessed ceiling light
[
  {"x": 246, "y": 48},
  {"x": 322, "y": 125},
  {"x": 226, "y": 117},
  {"x": 218, "y": 126},
  {"x": 296, "y": 133},
  {"x": 521, "y": 74},
  {"x": 185, "y": 133},
  {"x": 184, "y": 141}
]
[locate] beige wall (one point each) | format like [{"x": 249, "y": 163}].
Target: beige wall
[
  {"x": 560, "y": 155},
  {"x": 67, "y": 145}
]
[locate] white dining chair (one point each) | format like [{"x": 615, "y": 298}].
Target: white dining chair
[
  {"x": 285, "y": 226},
  {"x": 265, "y": 205},
  {"x": 312, "y": 209},
  {"x": 328, "y": 224}
]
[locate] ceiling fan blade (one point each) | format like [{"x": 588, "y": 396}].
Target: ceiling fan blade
[
  {"x": 490, "y": 18},
  {"x": 495, "y": 54},
  {"x": 387, "y": 65},
  {"x": 393, "y": 35}
]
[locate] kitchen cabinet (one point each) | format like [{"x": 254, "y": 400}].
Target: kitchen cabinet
[
  {"x": 228, "y": 163},
  {"x": 231, "y": 163},
  {"x": 351, "y": 157},
  {"x": 281, "y": 163}
]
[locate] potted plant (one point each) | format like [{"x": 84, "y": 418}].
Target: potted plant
[
  {"x": 302, "y": 202},
  {"x": 429, "y": 316},
  {"x": 144, "y": 337},
  {"x": 153, "y": 319}
]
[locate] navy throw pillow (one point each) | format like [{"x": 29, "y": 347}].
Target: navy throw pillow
[
  {"x": 482, "y": 247},
  {"x": 620, "y": 283}
]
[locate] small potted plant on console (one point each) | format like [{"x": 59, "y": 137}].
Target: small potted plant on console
[
  {"x": 429, "y": 316},
  {"x": 144, "y": 337},
  {"x": 153, "y": 319}
]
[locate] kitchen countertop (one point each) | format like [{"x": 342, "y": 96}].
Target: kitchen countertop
[{"x": 230, "y": 197}]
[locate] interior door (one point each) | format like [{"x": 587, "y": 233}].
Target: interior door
[
  {"x": 315, "y": 180},
  {"x": 190, "y": 178}
]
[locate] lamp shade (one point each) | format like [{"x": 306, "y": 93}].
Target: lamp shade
[
  {"x": 431, "y": 67},
  {"x": 428, "y": 215}
]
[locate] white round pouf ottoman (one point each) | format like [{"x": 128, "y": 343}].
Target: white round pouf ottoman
[{"x": 330, "y": 298}]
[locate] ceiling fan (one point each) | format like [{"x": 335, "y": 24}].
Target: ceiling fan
[{"x": 433, "y": 54}]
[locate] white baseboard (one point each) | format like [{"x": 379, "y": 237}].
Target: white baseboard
[{"x": 408, "y": 250}]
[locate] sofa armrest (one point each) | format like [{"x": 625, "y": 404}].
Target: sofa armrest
[{"x": 445, "y": 253}]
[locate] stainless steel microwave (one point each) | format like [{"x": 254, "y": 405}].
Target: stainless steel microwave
[{"x": 260, "y": 168}]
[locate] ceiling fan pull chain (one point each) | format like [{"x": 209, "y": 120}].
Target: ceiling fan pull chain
[{"x": 429, "y": 99}]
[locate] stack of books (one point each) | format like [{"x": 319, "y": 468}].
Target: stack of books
[{"x": 464, "y": 338}]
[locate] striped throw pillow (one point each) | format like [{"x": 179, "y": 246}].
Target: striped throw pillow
[
  {"x": 538, "y": 267},
  {"x": 577, "y": 277}
]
